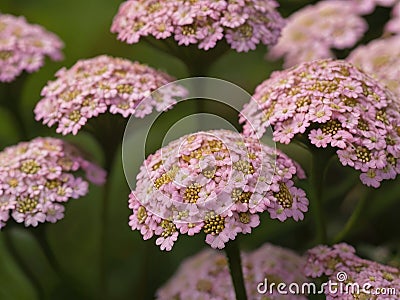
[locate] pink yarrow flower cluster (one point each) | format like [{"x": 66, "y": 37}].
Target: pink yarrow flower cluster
[
  {"x": 393, "y": 25},
  {"x": 24, "y": 46},
  {"x": 206, "y": 275},
  {"x": 343, "y": 266},
  {"x": 217, "y": 182},
  {"x": 314, "y": 30},
  {"x": 38, "y": 177},
  {"x": 94, "y": 86},
  {"x": 366, "y": 7},
  {"x": 380, "y": 59},
  {"x": 243, "y": 23},
  {"x": 332, "y": 103}
]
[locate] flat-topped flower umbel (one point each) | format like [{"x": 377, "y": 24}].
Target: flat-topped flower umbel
[
  {"x": 332, "y": 103},
  {"x": 24, "y": 46},
  {"x": 366, "y": 7},
  {"x": 243, "y": 23},
  {"x": 393, "y": 25},
  {"x": 380, "y": 59},
  {"x": 313, "y": 31},
  {"x": 206, "y": 275},
  {"x": 216, "y": 181},
  {"x": 38, "y": 176},
  {"x": 343, "y": 266},
  {"x": 100, "y": 84}
]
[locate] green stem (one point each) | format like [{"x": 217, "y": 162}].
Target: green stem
[
  {"x": 11, "y": 100},
  {"x": 23, "y": 266},
  {"x": 175, "y": 50},
  {"x": 301, "y": 144},
  {"x": 108, "y": 131},
  {"x": 318, "y": 167},
  {"x": 159, "y": 46},
  {"x": 352, "y": 221},
  {"x": 196, "y": 69},
  {"x": 103, "y": 241},
  {"x": 19, "y": 121},
  {"x": 341, "y": 189},
  {"x": 197, "y": 61},
  {"x": 40, "y": 235},
  {"x": 235, "y": 266},
  {"x": 140, "y": 290}
]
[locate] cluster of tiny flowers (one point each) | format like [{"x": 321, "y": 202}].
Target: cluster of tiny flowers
[
  {"x": 365, "y": 7},
  {"x": 37, "y": 177},
  {"x": 97, "y": 85},
  {"x": 380, "y": 59},
  {"x": 393, "y": 25},
  {"x": 206, "y": 275},
  {"x": 24, "y": 46},
  {"x": 243, "y": 23},
  {"x": 314, "y": 30},
  {"x": 342, "y": 266},
  {"x": 332, "y": 103},
  {"x": 217, "y": 182}
]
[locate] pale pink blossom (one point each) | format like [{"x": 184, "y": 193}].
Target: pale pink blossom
[
  {"x": 214, "y": 181},
  {"x": 94, "y": 86},
  {"x": 24, "y": 47},
  {"x": 337, "y": 105},
  {"x": 314, "y": 30},
  {"x": 244, "y": 24},
  {"x": 38, "y": 176},
  {"x": 380, "y": 59},
  {"x": 342, "y": 266},
  {"x": 206, "y": 275}
]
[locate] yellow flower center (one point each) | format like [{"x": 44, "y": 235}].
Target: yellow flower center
[
  {"x": 284, "y": 197},
  {"x": 214, "y": 224}
]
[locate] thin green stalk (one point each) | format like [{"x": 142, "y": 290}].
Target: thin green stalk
[
  {"x": 352, "y": 221},
  {"x": 175, "y": 50},
  {"x": 19, "y": 121},
  {"x": 103, "y": 242},
  {"x": 140, "y": 290},
  {"x": 235, "y": 267},
  {"x": 11, "y": 100},
  {"x": 196, "y": 69},
  {"x": 197, "y": 61},
  {"x": 159, "y": 46},
  {"x": 341, "y": 189},
  {"x": 40, "y": 236},
  {"x": 23, "y": 266},
  {"x": 318, "y": 167},
  {"x": 301, "y": 144},
  {"x": 108, "y": 131}
]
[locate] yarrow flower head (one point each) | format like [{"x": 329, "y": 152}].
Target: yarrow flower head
[
  {"x": 342, "y": 265},
  {"x": 94, "y": 86},
  {"x": 366, "y": 7},
  {"x": 332, "y": 103},
  {"x": 24, "y": 46},
  {"x": 38, "y": 176},
  {"x": 314, "y": 30},
  {"x": 206, "y": 275},
  {"x": 381, "y": 59},
  {"x": 393, "y": 25},
  {"x": 244, "y": 24},
  {"x": 214, "y": 181}
]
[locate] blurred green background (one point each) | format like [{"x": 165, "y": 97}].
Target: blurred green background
[{"x": 136, "y": 268}]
